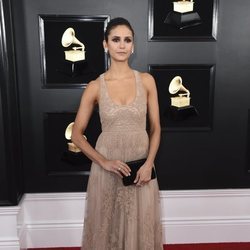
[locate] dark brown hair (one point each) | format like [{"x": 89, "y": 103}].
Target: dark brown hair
[{"x": 116, "y": 22}]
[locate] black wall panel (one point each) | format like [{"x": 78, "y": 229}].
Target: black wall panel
[
  {"x": 11, "y": 181},
  {"x": 3, "y": 176},
  {"x": 186, "y": 159}
]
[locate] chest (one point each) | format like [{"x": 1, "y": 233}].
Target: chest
[{"x": 123, "y": 92}]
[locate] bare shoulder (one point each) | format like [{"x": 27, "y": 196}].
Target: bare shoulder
[
  {"x": 147, "y": 80},
  {"x": 146, "y": 77},
  {"x": 93, "y": 87},
  {"x": 91, "y": 92}
]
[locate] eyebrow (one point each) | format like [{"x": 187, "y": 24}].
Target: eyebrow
[{"x": 120, "y": 37}]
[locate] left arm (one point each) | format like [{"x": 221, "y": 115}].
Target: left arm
[{"x": 144, "y": 173}]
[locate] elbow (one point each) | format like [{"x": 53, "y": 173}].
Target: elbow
[
  {"x": 74, "y": 136},
  {"x": 156, "y": 130}
]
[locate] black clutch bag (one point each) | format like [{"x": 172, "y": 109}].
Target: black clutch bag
[{"x": 134, "y": 166}]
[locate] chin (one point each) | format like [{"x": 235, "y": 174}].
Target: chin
[
  {"x": 125, "y": 60},
  {"x": 121, "y": 59}
]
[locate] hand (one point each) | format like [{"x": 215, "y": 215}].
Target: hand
[
  {"x": 118, "y": 167},
  {"x": 143, "y": 175}
]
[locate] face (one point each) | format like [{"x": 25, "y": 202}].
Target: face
[{"x": 120, "y": 43}]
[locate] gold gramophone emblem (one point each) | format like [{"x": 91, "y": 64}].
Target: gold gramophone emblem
[
  {"x": 183, "y": 6},
  {"x": 183, "y": 95},
  {"x": 77, "y": 53},
  {"x": 71, "y": 146},
  {"x": 183, "y": 15}
]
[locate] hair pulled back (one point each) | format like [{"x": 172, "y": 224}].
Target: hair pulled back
[{"x": 114, "y": 23}]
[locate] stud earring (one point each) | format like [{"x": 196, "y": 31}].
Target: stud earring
[
  {"x": 132, "y": 52},
  {"x": 106, "y": 50}
]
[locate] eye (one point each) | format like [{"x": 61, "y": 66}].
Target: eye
[
  {"x": 128, "y": 40},
  {"x": 115, "y": 39}
]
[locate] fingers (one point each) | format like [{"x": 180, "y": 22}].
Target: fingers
[
  {"x": 120, "y": 168},
  {"x": 123, "y": 168},
  {"x": 140, "y": 182},
  {"x": 137, "y": 178},
  {"x": 141, "y": 179}
]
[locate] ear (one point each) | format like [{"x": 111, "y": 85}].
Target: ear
[{"x": 104, "y": 44}]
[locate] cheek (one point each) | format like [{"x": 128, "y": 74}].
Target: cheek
[
  {"x": 112, "y": 45},
  {"x": 131, "y": 46}
]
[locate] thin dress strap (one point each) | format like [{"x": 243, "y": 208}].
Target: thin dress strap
[
  {"x": 139, "y": 85},
  {"x": 102, "y": 87}
]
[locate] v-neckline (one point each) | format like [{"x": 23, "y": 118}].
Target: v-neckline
[{"x": 118, "y": 104}]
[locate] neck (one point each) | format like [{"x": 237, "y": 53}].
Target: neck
[{"x": 119, "y": 69}]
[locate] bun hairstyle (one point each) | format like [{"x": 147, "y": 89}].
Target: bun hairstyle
[{"x": 116, "y": 22}]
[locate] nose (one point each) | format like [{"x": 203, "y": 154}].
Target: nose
[{"x": 122, "y": 44}]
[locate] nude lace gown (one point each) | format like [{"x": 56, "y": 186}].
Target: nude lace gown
[{"x": 119, "y": 217}]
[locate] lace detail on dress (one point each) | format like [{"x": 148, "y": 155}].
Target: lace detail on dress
[
  {"x": 119, "y": 217},
  {"x": 123, "y": 117}
]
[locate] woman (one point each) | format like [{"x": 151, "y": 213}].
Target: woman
[{"x": 119, "y": 217}]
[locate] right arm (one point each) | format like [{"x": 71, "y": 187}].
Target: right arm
[
  {"x": 87, "y": 104},
  {"x": 88, "y": 101}
]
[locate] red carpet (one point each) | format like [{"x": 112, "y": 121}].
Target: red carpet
[{"x": 215, "y": 246}]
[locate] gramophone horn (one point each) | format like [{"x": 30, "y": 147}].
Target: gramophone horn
[
  {"x": 68, "y": 37},
  {"x": 175, "y": 85},
  {"x": 68, "y": 131}
]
